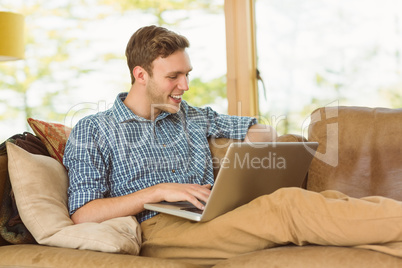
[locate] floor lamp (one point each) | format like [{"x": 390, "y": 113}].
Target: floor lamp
[{"x": 11, "y": 36}]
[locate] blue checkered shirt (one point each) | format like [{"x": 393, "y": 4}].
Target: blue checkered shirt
[{"x": 115, "y": 152}]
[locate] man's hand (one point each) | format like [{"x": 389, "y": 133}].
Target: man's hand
[
  {"x": 193, "y": 193},
  {"x": 102, "y": 209}
]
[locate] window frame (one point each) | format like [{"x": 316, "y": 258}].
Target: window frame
[{"x": 242, "y": 89}]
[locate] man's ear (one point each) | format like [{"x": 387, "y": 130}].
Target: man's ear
[{"x": 140, "y": 74}]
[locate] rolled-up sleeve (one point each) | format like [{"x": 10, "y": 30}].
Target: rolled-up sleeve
[{"x": 86, "y": 160}]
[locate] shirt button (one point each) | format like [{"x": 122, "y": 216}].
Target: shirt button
[
  {"x": 164, "y": 145},
  {"x": 173, "y": 170}
]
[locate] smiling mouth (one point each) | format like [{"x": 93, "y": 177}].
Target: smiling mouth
[{"x": 176, "y": 98}]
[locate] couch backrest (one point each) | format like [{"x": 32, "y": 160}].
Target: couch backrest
[
  {"x": 219, "y": 147},
  {"x": 360, "y": 151}
]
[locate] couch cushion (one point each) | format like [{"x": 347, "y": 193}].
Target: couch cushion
[
  {"x": 43, "y": 256},
  {"x": 359, "y": 151},
  {"x": 313, "y": 257},
  {"x": 40, "y": 188}
]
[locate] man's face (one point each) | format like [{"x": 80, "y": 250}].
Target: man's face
[{"x": 169, "y": 82}]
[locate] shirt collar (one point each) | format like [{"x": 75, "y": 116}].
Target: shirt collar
[{"x": 123, "y": 114}]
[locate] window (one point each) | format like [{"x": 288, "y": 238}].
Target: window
[
  {"x": 75, "y": 56},
  {"x": 314, "y": 53}
]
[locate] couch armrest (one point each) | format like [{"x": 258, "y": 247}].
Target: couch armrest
[{"x": 359, "y": 151}]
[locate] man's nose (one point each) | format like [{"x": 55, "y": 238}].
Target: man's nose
[{"x": 183, "y": 83}]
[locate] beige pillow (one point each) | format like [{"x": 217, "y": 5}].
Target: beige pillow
[{"x": 40, "y": 188}]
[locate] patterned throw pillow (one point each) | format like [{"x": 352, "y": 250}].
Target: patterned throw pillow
[{"x": 53, "y": 135}]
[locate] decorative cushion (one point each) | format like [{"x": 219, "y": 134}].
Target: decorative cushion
[
  {"x": 53, "y": 135},
  {"x": 40, "y": 187}
]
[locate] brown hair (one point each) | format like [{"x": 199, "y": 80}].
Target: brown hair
[{"x": 150, "y": 42}]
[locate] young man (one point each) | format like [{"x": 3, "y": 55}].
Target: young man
[
  {"x": 152, "y": 146},
  {"x": 130, "y": 151}
]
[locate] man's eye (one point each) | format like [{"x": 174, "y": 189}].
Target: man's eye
[{"x": 172, "y": 77}]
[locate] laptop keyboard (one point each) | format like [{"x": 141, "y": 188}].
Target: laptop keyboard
[{"x": 195, "y": 210}]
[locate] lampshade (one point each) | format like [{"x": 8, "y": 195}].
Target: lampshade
[{"x": 11, "y": 36}]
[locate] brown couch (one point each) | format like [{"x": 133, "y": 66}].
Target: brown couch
[{"x": 359, "y": 154}]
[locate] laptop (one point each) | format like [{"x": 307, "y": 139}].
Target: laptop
[{"x": 248, "y": 171}]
